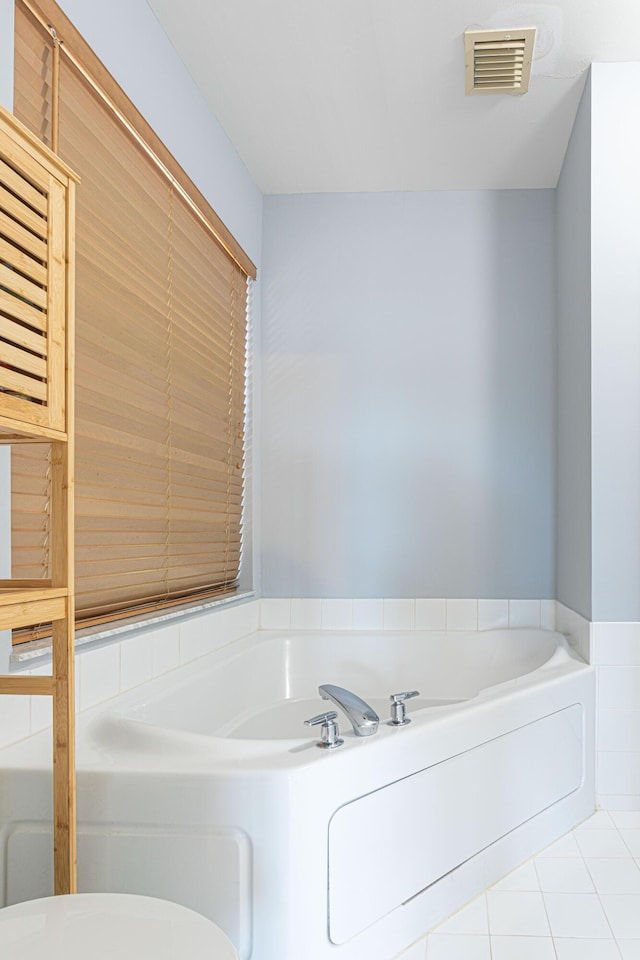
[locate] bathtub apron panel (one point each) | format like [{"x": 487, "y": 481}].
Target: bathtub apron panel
[{"x": 387, "y": 847}]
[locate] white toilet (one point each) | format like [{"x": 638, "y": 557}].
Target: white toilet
[{"x": 109, "y": 926}]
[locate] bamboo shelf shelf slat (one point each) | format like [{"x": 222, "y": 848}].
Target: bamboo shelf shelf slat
[
  {"x": 27, "y": 686},
  {"x": 23, "y": 608},
  {"x": 13, "y": 431}
]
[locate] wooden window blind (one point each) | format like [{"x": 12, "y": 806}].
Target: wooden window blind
[{"x": 160, "y": 354}]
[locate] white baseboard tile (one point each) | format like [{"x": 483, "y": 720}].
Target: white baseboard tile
[
  {"x": 548, "y": 614},
  {"x": 209, "y": 631},
  {"x": 165, "y": 651},
  {"x": 620, "y": 803},
  {"x": 336, "y": 614},
  {"x": 619, "y": 773},
  {"x": 493, "y": 614},
  {"x": 15, "y": 719},
  {"x": 524, "y": 613},
  {"x": 616, "y": 654},
  {"x": 462, "y": 614},
  {"x": 307, "y": 614},
  {"x": 367, "y": 614},
  {"x": 398, "y": 614},
  {"x": 577, "y": 629},
  {"x": 619, "y": 730},
  {"x": 616, "y": 644},
  {"x": 431, "y": 614},
  {"x": 275, "y": 614}
]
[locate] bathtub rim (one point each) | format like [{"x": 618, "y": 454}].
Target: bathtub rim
[
  {"x": 115, "y": 720},
  {"x": 168, "y": 748}
]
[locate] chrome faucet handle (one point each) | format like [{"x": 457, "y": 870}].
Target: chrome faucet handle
[
  {"x": 407, "y": 695},
  {"x": 360, "y": 714},
  {"x": 398, "y": 712},
  {"x": 329, "y": 732}
]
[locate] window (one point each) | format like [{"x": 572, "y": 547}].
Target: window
[{"x": 161, "y": 296}]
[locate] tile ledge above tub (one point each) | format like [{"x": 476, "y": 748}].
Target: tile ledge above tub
[{"x": 39, "y": 651}]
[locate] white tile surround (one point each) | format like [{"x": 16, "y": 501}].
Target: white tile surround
[
  {"x": 105, "y": 670},
  {"x": 462, "y": 614},
  {"x": 616, "y": 654}
]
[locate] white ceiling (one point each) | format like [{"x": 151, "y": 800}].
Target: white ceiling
[{"x": 368, "y": 95}]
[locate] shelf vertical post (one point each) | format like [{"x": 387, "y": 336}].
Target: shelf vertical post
[
  {"x": 64, "y": 781},
  {"x": 62, "y": 570}
]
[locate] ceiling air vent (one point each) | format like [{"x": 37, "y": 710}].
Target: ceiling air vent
[{"x": 498, "y": 61}]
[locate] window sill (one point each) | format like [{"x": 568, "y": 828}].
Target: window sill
[{"x": 29, "y": 655}]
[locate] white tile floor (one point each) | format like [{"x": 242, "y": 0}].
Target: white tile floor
[{"x": 577, "y": 900}]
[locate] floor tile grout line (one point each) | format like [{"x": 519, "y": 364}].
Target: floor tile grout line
[
  {"x": 625, "y": 842},
  {"x": 486, "y": 907},
  {"x": 598, "y": 892},
  {"x": 534, "y": 860},
  {"x": 586, "y": 866},
  {"x": 544, "y": 902}
]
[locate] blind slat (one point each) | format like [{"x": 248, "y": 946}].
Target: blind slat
[{"x": 160, "y": 341}]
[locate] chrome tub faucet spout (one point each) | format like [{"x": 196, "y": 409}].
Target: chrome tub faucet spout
[{"x": 362, "y": 717}]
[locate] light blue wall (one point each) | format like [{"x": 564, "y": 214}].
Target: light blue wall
[
  {"x": 408, "y": 395},
  {"x": 616, "y": 341},
  {"x": 6, "y": 53},
  {"x": 573, "y": 508}
]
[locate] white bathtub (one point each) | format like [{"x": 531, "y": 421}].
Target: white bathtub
[{"x": 206, "y": 788}]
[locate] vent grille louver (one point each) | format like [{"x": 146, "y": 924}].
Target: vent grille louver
[{"x": 498, "y": 61}]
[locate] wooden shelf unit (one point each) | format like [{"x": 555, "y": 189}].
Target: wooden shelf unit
[{"x": 37, "y": 216}]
